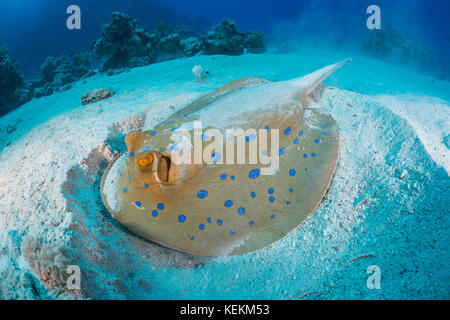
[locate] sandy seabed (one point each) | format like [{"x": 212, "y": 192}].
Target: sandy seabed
[{"x": 387, "y": 205}]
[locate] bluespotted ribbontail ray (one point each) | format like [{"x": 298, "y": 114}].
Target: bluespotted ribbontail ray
[{"x": 217, "y": 208}]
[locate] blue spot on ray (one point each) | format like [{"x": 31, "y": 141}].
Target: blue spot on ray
[
  {"x": 232, "y": 177},
  {"x": 253, "y": 194},
  {"x": 181, "y": 218},
  {"x": 138, "y": 204},
  {"x": 154, "y": 213},
  {"x": 251, "y": 223},
  {"x": 201, "y": 194},
  {"x": 300, "y": 133},
  {"x": 160, "y": 206},
  {"x": 287, "y": 131},
  {"x": 296, "y": 141},
  {"x": 305, "y": 155},
  {"x": 208, "y": 219},
  {"x": 131, "y": 154},
  {"x": 272, "y": 216},
  {"x": 125, "y": 190},
  {"x": 228, "y": 203},
  {"x": 313, "y": 154},
  {"x": 254, "y": 173},
  {"x": 223, "y": 176},
  {"x": 241, "y": 211},
  {"x": 317, "y": 140},
  {"x": 270, "y": 191},
  {"x": 271, "y": 199},
  {"x": 201, "y": 226},
  {"x": 292, "y": 172},
  {"x": 219, "y": 222},
  {"x": 281, "y": 151},
  {"x": 204, "y": 136},
  {"x": 152, "y": 133}
]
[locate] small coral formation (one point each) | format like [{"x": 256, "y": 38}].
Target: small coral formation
[
  {"x": 198, "y": 72},
  {"x": 96, "y": 95},
  {"x": 12, "y": 86},
  {"x": 225, "y": 39},
  {"x": 255, "y": 42},
  {"x": 47, "y": 262},
  {"x": 124, "y": 45},
  {"x": 166, "y": 46},
  {"x": 57, "y": 73},
  {"x": 388, "y": 43}
]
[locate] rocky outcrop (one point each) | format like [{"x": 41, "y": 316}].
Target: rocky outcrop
[
  {"x": 12, "y": 86},
  {"x": 96, "y": 95}
]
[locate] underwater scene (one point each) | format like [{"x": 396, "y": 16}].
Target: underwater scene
[{"x": 222, "y": 150}]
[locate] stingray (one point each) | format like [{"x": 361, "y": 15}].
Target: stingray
[{"x": 223, "y": 206}]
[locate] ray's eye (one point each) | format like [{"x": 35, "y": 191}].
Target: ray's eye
[{"x": 146, "y": 161}]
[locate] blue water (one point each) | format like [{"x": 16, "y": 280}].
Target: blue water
[{"x": 35, "y": 29}]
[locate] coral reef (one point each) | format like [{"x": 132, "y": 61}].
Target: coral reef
[
  {"x": 225, "y": 39},
  {"x": 57, "y": 73},
  {"x": 166, "y": 46},
  {"x": 388, "y": 43},
  {"x": 255, "y": 42},
  {"x": 96, "y": 95},
  {"x": 12, "y": 91},
  {"x": 48, "y": 263},
  {"x": 124, "y": 45}
]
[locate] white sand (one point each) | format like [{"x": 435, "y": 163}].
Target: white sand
[{"x": 49, "y": 179}]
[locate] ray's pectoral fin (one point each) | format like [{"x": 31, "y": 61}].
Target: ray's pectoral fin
[{"x": 133, "y": 140}]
